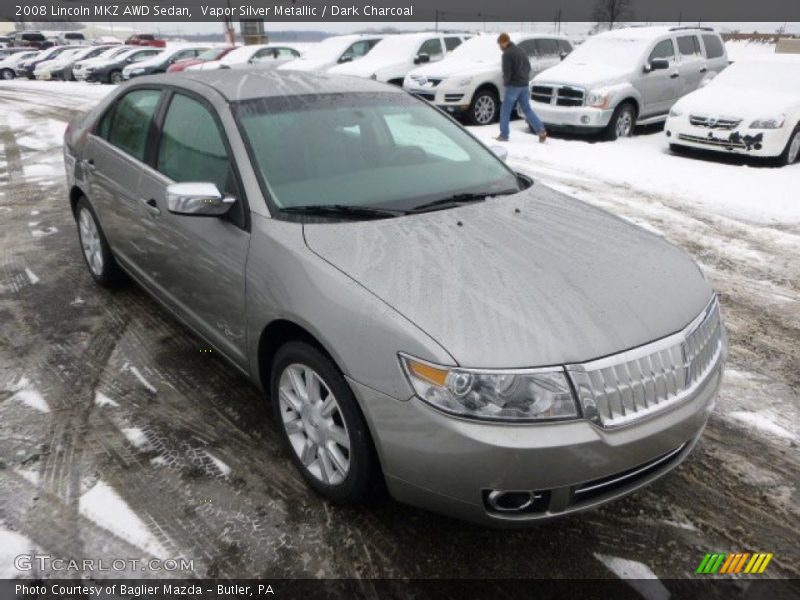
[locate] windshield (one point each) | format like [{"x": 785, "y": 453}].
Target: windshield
[
  {"x": 211, "y": 53},
  {"x": 613, "y": 52},
  {"x": 482, "y": 48},
  {"x": 761, "y": 74},
  {"x": 395, "y": 48},
  {"x": 328, "y": 49},
  {"x": 365, "y": 150}
]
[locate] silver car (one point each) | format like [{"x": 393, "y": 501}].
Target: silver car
[{"x": 415, "y": 311}]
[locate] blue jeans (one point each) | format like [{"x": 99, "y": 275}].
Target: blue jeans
[{"x": 513, "y": 95}]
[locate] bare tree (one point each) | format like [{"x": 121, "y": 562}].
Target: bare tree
[{"x": 608, "y": 14}]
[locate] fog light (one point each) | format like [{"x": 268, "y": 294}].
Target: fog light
[
  {"x": 584, "y": 119},
  {"x": 669, "y": 133},
  {"x": 510, "y": 501}
]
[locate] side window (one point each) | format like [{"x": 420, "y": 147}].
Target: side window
[
  {"x": 546, "y": 48},
  {"x": 713, "y": 44},
  {"x": 529, "y": 48},
  {"x": 192, "y": 147},
  {"x": 663, "y": 49},
  {"x": 183, "y": 55},
  {"x": 451, "y": 43},
  {"x": 688, "y": 45},
  {"x": 139, "y": 56},
  {"x": 129, "y": 121},
  {"x": 564, "y": 47},
  {"x": 431, "y": 47},
  {"x": 358, "y": 49}
]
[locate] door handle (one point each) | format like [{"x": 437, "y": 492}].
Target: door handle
[
  {"x": 151, "y": 205},
  {"x": 704, "y": 69},
  {"x": 88, "y": 165},
  {"x": 674, "y": 75}
]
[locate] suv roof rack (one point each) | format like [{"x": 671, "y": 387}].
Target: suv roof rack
[{"x": 701, "y": 28}]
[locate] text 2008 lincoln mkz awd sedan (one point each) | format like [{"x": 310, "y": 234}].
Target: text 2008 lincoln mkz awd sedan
[{"x": 414, "y": 309}]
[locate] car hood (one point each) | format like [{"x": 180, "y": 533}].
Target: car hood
[
  {"x": 581, "y": 74},
  {"x": 307, "y": 64},
  {"x": 364, "y": 67},
  {"x": 456, "y": 68},
  {"x": 557, "y": 282},
  {"x": 747, "y": 104}
]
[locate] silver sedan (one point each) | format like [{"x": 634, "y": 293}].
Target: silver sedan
[{"x": 414, "y": 310}]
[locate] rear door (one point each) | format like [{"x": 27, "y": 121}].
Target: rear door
[
  {"x": 197, "y": 264},
  {"x": 660, "y": 88},
  {"x": 113, "y": 160},
  {"x": 716, "y": 57},
  {"x": 692, "y": 66}
]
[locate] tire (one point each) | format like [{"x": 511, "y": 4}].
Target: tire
[
  {"x": 115, "y": 76},
  {"x": 791, "y": 152},
  {"x": 94, "y": 247},
  {"x": 484, "y": 109},
  {"x": 340, "y": 474},
  {"x": 7, "y": 74},
  {"x": 622, "y": 122}
]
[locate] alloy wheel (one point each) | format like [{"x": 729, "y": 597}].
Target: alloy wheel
[
  {"x": 794, "y": 148},
  {"x": 485, "y": 108},
  {"x": 624, "y": 123},
  {"x": 7, "y": 74},
  {"x": 90, "y": 242},
  {"x": 314, "y": 424}
]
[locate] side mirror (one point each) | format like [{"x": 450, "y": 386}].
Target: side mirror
[
  {"x": 422, "y": 58},
  {"x": 563, "y": 55},
  {"x": 500, "y": 152},
  {"x": 197, "y": 199},
  {"x": 346, "y": 58},
  {"x": 657, "y": 64}
]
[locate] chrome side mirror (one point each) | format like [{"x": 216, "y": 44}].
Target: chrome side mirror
[
  {"x": 500, "y": 152},
  {"x": 197, "y": 199}
]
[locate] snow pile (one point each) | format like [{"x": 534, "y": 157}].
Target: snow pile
[
  {"x": 740, "y": 49},
  {"x": 11, "y": 545}
]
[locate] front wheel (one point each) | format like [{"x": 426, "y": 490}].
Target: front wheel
[
  {"x": 321, "y": 422},
  {"x": 484, "y": 109},
  {"x": 96, "y": 251},
  {"x": 7, "y": 74},
  {"x": 115, "y": 77},
  {"x": 791, "y": 152},
  {"x": 622, "y": 122}
]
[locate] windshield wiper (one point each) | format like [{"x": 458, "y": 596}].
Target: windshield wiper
[
  {"x": 342, "y": 210},
  {"x": 457, "y": 199}
]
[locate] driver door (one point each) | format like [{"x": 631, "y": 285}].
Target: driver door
[
  {"x": 660, "y": 88},
  {"x": 197, "y": 264}
]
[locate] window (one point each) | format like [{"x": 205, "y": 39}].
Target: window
[
  {"x": 714, "y": 48},
  {"x": 183, "y": 55},
  {"x": 546, "y": 48},
  {"x": 127, "y": 125},
  {"x": 432, "y": 47},
  {"x": 451, "y": 43},
  {"x": 137, "y": 56},
  {"x": 192, "y": 147},
  {"x": 689, "y": 45},
  {"x": 564, "y": 47},
  {"x": 359, "y": 49},
  {"x": 528, "y": 47},
  {"x": 663, "y": 49},
  {"x": 268, "y": 54}
]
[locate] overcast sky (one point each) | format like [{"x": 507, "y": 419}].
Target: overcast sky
[{"x": 573, "y": 28}]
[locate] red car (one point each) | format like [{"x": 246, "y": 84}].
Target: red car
[
  {"x": 145, "y": 39},
  {"x": 210, "y": 54}
]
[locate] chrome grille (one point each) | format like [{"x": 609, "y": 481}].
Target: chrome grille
[
  {"x": 620, "y": 389},
  {"x": 714, "y": 123},
  {"x": 712, "y": 141},
  {"x": 559, "y": 95}
]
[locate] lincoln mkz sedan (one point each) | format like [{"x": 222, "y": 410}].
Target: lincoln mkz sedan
[{"x": 416, "y": 312}]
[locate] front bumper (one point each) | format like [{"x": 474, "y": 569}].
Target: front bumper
[
  {"x": 740, "y": 140},
  {"x": 43, "y": 75},
  {"x": 450, "y": 465},
  {"x": 572, "y": 117},
  {"x": 453, "y": 101}
]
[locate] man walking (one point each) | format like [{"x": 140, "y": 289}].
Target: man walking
[{"x": 516, "y": 76}]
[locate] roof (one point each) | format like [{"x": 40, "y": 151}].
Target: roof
[
  {"x": 647, "y": 33},
  {"x": 239, "y": 84}
]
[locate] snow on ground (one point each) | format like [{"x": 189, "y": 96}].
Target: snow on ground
[
  {"x": 105, "y": 507},
  {"x": 635, "y": 573},
  {"x": 70, "y": 93},
  {"x": 739, "y": 49},
  {"x": 12, "y": 544},
  {"x": 24, "y": 392},
  {"x": 753, "y": 193}
]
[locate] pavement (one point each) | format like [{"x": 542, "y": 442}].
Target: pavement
[{"x": 120, "y": 437}]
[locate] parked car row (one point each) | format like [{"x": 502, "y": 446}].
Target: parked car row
[{"x": 42, "y": 40}]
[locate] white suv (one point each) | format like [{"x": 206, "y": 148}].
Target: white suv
[
  {"x": 393, "y": 57},
  {"x": 469, "y": 80},
  {"x": 626, "y": 77}
]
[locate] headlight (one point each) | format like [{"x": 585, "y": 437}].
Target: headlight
[
  {"x": 675, "y": 112},
  {"x": 597, "y": 99},
  {"x": 771, "y": 123},
  {"x": 496, "y": 395},
  {"x": 136, "y": 71}
]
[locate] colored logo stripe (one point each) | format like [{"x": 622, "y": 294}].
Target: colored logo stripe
[{"x": 721, "y": 562}]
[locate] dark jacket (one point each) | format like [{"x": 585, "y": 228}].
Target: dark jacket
[{"x": 516, "y": 67}]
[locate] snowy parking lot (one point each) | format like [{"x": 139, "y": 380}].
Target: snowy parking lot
[{"x": 120, "y": 437}]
